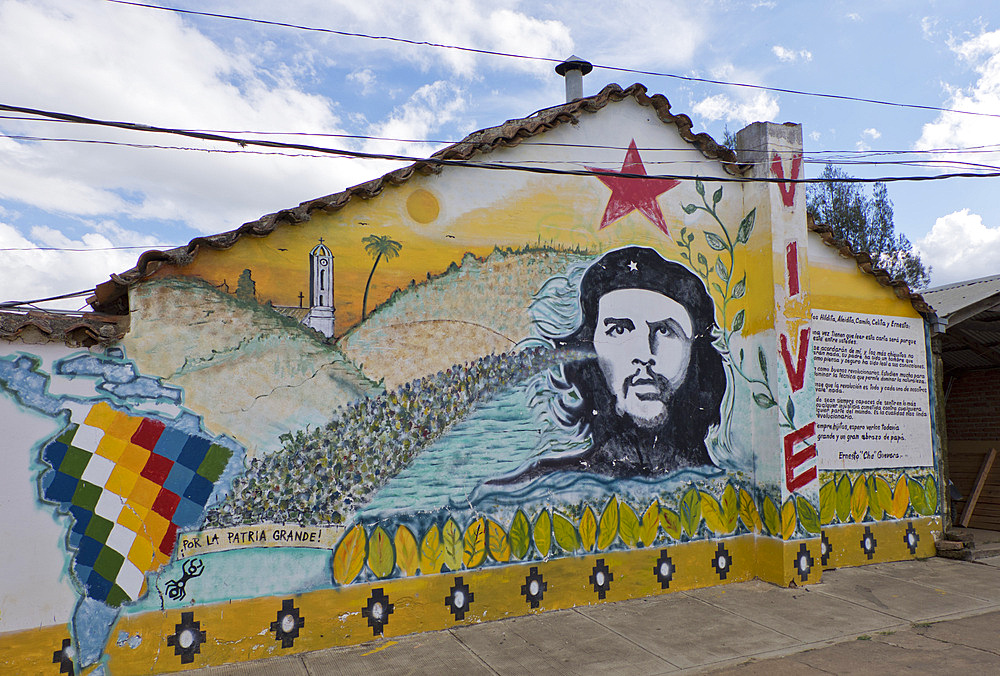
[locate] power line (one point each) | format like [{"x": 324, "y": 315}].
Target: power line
[
  {"x": 21, "y": 309},
  {"x": 819, "y": 154},
  {"x": 927, "y": 163},
  {"x": 148, "y": 146},
  {"x": 360, "y": 137},
  {"x": 969, "y": 150},
  {"x": 75, "y": 294},
  {"x": 96, "y": 248},
  {"x": 437, "y": 161},
  {"x": 576, "y": 162},
  {"x": 487, "y": 52},
  {"x": 906, "y": 163}
]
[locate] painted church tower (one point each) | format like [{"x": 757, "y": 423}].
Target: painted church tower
[{"x": 321, "y": 308}]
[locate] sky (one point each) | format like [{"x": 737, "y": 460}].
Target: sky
[{"x": 63, "y": 202}]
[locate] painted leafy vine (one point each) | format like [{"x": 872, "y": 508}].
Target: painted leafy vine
[{"x": 718, "y": 276}]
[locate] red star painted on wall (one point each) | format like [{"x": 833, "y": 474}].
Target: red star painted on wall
[{"x": 634, "y": 194}]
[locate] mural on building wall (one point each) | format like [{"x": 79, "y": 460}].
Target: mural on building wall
[
  {"x": 562, "y": 368},
  {"x": 128, "y": 480},
  {"x": 584, "y": 400},
  {"x": 610, "y": 413}
]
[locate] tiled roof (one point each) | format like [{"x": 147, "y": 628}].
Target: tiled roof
[
  {"x": 868, "y": 266},
  {"x": 110, "y": 296},
  {"x": 77, "y": 329}
]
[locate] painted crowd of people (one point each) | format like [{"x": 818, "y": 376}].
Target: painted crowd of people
[{"x": 322, "y": 476}]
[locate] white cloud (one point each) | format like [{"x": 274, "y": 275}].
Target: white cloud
[
  {"x": 815, "y": 135},
  {"x": 495, "y": 25},
  {"x": 786, "y": 55},
  {"x": 783, "y": 53},
  {"x": 28, "y": 175},
  {"x": 723, "y": 71},
  {"x": 431, "y": 107},
  {"x": 868, "y": 134},
  {"x": 854, "y": 16},
  {"x": 928, "y": 26},
  {"x": 37, "y": 273},
  {"x": 127, "y": 63},
  {"x": 364, "y": 79},
  {"x": 172, "y": 76},
  {"x": 483, "y": 25},
  {"x": 176, "y": 76},
  {"x": 740, "y": 106},
  {"x": 676, "y": 29},
  {"x": 955, "y": 130},
  {"x": 959, "y": 247},
  {"x": 743, "y": 109}
]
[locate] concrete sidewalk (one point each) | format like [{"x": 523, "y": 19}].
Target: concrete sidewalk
[{"x": 920, "y": 616}]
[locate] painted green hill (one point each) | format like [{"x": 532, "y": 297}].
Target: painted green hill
[
  {"x": 474, "y": 309},
  {"x": 253, "y": 373}
]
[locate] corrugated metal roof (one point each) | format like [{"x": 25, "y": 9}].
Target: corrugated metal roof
[
  {"x": 951, "y": 298},
  {"x": 957, "y": 357},
  {"x": 972, "y": 334}
]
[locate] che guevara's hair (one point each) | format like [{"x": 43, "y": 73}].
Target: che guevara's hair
[{"x": 694, "y": 407}]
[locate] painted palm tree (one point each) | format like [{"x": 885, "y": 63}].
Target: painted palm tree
[{"x": 377, "y": 246}]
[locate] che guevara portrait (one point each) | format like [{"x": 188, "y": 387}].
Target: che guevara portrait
[{"x": 648, "y": 381}]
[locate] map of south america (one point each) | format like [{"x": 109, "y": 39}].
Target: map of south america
[{"x": 129, "y": 476}]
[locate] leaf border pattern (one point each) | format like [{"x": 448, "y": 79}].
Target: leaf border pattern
[{"x": 844, "y": 497}]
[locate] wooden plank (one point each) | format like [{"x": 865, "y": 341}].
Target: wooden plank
[
  {"x": 980, "y": 519},
  {"x": 970, "y": 461},
  {"x": 982, "y": 505},
  {"x": 985, "y": 525},
  {"x": 971, "y": 453},
  {"x": 984, "y": 472},
  {"x": 968, "y": 464},
  {"x": 967, "y": 460},
  {"x": 984, "y": 502},
  {"x": 971, "y": 446},
  {"x": 988, "y": 512}
]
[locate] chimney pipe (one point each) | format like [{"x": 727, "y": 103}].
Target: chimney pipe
[{"x": 573, "y": 69}]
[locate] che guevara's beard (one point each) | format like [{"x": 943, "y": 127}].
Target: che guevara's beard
[{"x": 662, "y": 391}]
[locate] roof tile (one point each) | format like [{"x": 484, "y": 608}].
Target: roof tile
[
  {"x": 868, "y": 266},
  {"x": 111, "y": 295},
  {"x": 84, "y": 330}
]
